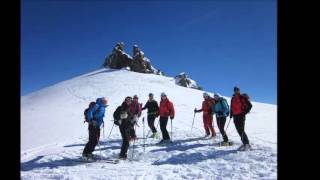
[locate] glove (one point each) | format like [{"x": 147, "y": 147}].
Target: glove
[
  {"x": 171, "y": 117},
  {"x": 134, "y": 119},
  {"x": 195, "y": 111},
  {"x": 117, "y": 122},
  {"x": 124, "y": 115}
]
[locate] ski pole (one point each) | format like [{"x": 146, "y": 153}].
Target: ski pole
[
  {"x": 171, "y": 130},
  {"x": 219, "y": 126},
  {"x": 110, "y": 131},
  {"x": 148, "y": 133},
  {"x": 134, "y": 140},
  {"x": 103, "y": 130},
  {"x": 157, "y": 136},
  {"x": 99, "y": 147},
  {"x": 144, "y": 138},
  {"x": 158, "y": 123},
  {"x": 228, "y": 125},
  {"x": 194, "y": 115}
]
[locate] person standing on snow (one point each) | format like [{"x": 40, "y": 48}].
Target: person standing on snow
[
  {"x": 95, "y": 119},
  {"x": 221, "y": 109},
  {"x": 166, "y": 110},
  {"x": 240, "y": 106},
  {"x": 135, "y": 109},
  {"x": 125, "y": 126},
  {"x": 153, "y": 113},
  {"x": 207, "y": 114}
]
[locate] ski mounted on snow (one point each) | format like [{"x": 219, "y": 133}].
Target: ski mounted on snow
[
  {"x": 222, "y": 144},
  {"x": 111, "y": 161},
  {"x": 98, "y": 159},
  {"x": 245, "y": 148},
  {"x": 163, "y": 143}
]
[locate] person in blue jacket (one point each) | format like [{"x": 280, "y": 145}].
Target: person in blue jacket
[
  {"x": 95, "y": 119},
  {"x": 221, "y": 109}
]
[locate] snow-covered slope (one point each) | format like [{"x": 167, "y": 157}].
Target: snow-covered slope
[{"x": 53, "y": 134}]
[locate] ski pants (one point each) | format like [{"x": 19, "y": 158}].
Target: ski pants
[
  {"x": 163, "y": 127},
  {"x": 132, "y": 131},
  {"x": 208, "y": 126},
  {"x": 221, "y": 121},
  {"x": 151, "y": 119},
  {"x": 94, "y": 135},
  {"x": 125, "y": 129},
  {"x": 239, "y": 122}
]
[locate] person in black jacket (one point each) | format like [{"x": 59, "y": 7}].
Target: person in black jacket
[
  {"x": 153, "y": 113},
  {"x": 125, "y": 126}
]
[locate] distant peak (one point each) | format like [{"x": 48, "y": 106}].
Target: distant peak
[
  {"x": 182, "y": 79},
  {"x": 119, "y": 59}
]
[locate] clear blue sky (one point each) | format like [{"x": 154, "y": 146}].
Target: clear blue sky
[{"x": 218, "y": 43}]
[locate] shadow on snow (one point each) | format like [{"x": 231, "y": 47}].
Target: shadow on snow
[
  {"x": 192, "y": 158},
  {"x": 33, "y": 164}
]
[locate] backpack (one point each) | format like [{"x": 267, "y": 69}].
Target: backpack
[
  {"x": 116, "y": 116},
  {"x": 226, "y": 106},
  {"x": 246, "y": 104},
  {"x": 91, "y": 105}
]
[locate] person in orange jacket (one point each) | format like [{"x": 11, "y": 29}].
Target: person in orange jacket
[
  {"x": 207, "y": 114},
  {"x": 166, "y": 110}
]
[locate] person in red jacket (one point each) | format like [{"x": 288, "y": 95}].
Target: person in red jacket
[
  {"x": 166, "y": 110},
  {"x": 240, "y": 106},
  {"x": 135, "y": 109},
  {"x": 207, "y": 115}
]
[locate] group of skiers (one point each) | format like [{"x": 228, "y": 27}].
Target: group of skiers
[
  {"x": 127, "y": 114},
  {"x": 240, "y": 106}
]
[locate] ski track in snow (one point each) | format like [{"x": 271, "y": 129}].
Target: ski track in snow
[{"x": 47, "y": 155}]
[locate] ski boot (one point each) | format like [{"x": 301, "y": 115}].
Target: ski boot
[
  {"x": 123, "y": 157},
  {"x": 154, "y": 135}
]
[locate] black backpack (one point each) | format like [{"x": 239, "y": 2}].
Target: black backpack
[
  {"x": 246, "y": 104},
  {"x": 116, "y": 116},
  {"x": 91, "y": 105}
]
